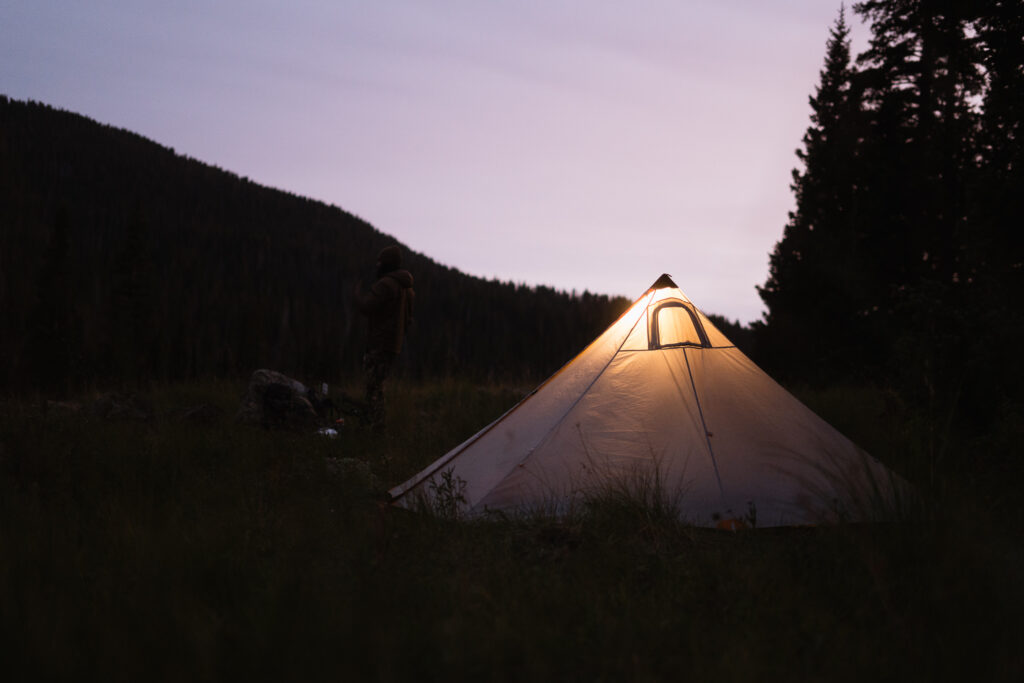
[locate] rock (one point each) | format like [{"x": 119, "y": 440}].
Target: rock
[{"x": 274, "y": 400}]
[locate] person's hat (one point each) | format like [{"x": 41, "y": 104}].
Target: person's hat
[{"x": 390, "y": 257}]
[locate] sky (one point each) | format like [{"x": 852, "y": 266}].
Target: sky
[{"x": 580, "y": 144}]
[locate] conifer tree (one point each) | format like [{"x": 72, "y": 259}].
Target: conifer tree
[
  {"x": 132, "y": 344},
  {"x": 921, "y": 77},
  {"x": 52, "y": 335},
  {"x": 999, "y": 201},
  {"x": 813, "y": 291},
  {"x": 997, "y": 210}
]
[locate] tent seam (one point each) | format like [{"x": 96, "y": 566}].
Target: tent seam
[
  {"x": 430, "y": 471},
  {"x": 703, "y": 423},
  {"x": 583, "y": 393}
]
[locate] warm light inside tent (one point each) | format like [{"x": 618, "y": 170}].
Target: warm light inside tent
[
  {"x": 635, "y": 319},
  {"x": 654, "y": 295},
  {"x": 662, "y": 315},
  {"x": 660, "y": 295},
  {"x": 639, "y": 309},
  {"x": 676, "y": 326}
]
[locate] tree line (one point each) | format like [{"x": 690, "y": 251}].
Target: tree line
[
  {"x": 122, "y": 262},
  {"x": 902, "y": 263}
]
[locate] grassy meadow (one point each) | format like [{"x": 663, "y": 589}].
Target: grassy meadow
[{"x": 202, "y": 549}]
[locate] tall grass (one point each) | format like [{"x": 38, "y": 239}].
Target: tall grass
[{"x": 203, "y": 550}]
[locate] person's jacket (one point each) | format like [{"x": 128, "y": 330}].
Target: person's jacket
[{"x": 388, "y": 307}]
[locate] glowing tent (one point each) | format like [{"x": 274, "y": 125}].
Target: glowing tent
[{"x": 661, "y": 401}]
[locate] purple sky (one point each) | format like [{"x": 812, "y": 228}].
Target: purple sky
[{"x": 580, "y": 144}]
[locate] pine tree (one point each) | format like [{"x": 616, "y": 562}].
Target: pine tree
[
  {"x": 814, "y": 289},
  {"x": 997, "y": 252},
  {"x": 922, "y": 78},
  {"x": 133, "y": 344},
  {"x": 53, "y": 329},
  {"x": 999, "y": 202}
]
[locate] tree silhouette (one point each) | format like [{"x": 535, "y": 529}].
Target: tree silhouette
[
  {"x": 902, "y": 263},
  {"x": 52, "y": 335},
  {"x": 815, "y": 290},
  {"x": 183, "y": 270},
  {"x": 923, "y": 76},
  {"x": 132, "y": 325}
]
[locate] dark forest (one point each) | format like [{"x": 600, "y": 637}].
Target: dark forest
[
  {"x": 123, "y": 262},
  {"x": 902, "y": 265}
]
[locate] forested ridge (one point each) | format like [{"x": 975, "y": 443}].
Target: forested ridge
[{"x": 121, "y": 261}]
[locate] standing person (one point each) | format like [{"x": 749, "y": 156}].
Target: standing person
[{"x": 388, "y": 308}]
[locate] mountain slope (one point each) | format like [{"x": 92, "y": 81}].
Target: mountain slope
[{"x": 120, "y": 260}]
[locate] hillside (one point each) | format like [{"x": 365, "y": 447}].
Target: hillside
[{"x": 121, "y": 260}]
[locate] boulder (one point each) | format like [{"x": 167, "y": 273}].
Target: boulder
[{"x": 276, "y": 400}]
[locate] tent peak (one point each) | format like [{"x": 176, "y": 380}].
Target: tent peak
[{"x": 664, "y": 282}]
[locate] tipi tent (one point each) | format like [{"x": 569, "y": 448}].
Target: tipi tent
[{"x": 663, "y": 399}]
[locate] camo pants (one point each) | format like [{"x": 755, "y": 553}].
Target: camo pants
[{"x": 377, "y": 366}]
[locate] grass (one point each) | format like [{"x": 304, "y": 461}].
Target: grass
[{"x": 206, "y": 550}]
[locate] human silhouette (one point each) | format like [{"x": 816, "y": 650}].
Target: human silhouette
[{"x": 388, "y": 307}]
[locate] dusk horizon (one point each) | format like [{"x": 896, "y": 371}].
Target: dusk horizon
[{"x": 580, "y": 146}]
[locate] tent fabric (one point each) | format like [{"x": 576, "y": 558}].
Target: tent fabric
[{"x": 662, "y": 402}]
